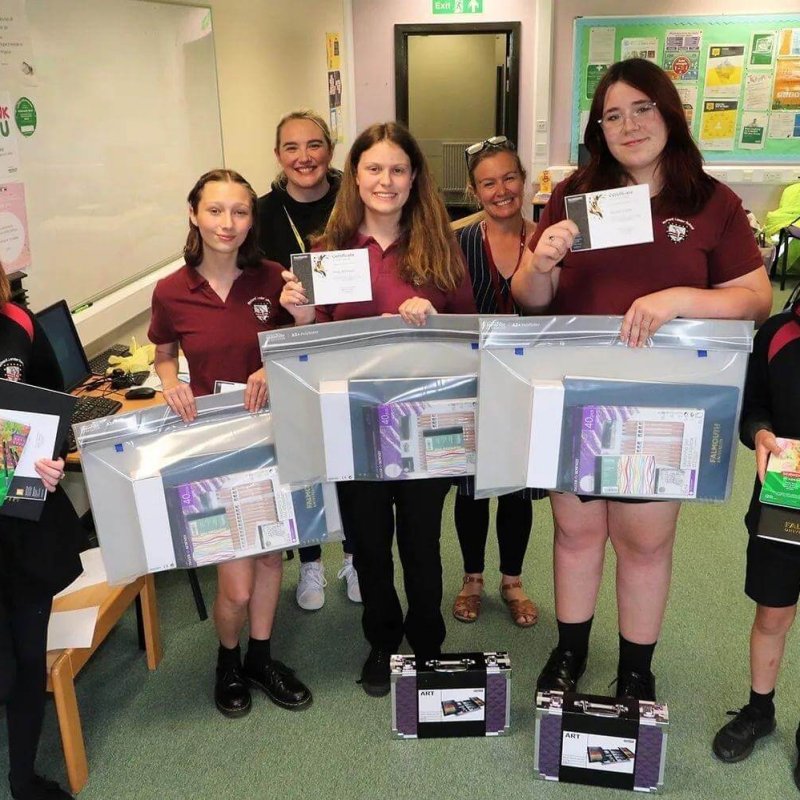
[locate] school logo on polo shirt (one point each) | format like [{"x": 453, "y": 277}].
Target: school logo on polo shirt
[
  {"x": 262, "y": 308},
  {"x": 677, "y": 229},
  {"x": 11, "y": 369}
]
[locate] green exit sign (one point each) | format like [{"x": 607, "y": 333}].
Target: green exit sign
[{"x": 457, "y": 6}]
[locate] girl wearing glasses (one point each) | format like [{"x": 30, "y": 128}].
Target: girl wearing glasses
[
  {"x": 297, "y": 207},
  {"x": 493, "y": 249},
  {"x": 389, "y": 205},
  {"x": 703, "y": 262}
]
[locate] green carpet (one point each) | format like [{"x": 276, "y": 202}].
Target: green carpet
[{"x": 157, "y": 736}]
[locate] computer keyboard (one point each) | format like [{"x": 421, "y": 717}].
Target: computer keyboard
[
  {"x": 91, "y": 408},
  {"x": 99, "y": 364}
]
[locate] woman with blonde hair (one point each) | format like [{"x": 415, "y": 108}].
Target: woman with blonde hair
[
  {"x": 297, "y": 207},
  {"x": 388, "y": 204}
]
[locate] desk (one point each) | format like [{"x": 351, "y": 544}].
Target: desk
[
  {"x": 64, "y": 665},
  {"x": 73, "y": 460}
]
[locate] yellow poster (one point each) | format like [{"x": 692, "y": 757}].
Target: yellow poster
[
  {"x": 786, "y": 89},
  {"x": 724, "y": 70},
  {"x": 718, "y": 124},
  {"x": 333, "y": 49}
]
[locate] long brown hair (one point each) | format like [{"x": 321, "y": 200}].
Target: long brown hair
[
  {"x": 5, "y": 287},
  {"x": 686, "y": 187},
  {"x": 428, "y": 250},
  {"x": 248, "y": 254}
]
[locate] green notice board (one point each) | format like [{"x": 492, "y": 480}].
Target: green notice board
[{"x": 738, "y": 77}]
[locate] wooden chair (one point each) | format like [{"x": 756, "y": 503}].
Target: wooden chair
[{"x": 63, "y": 666}]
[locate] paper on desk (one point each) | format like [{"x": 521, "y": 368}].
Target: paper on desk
[
  {"x": 72, "y": 628},
  {"x": 154, "y": 382},
  {"x": 94, "y": 572}
]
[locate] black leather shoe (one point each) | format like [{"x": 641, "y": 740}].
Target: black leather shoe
[
  {"x": 561, "y": 672},
  {"x": 796, "y": 773},
  {"x": 638, "y": 685},
  {"x": 735, "y": 740},
  {"x": 375, "y": 673},
  {"x": 231, "y": 693},
  {"x": 39, "y": 788},
  {"x": 280, "y": 684}
]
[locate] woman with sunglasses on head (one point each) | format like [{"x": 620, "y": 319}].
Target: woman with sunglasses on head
[
  {"x": 493, "y": 249},
  {"x": 389, "y": 205},
  {"x": 703, "y": 263},
  {"x": 37, "y": 560},
  {"x": 297, "y": 207},
  {"x": 213, "y": 308}
]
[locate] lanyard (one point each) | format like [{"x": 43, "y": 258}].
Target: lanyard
[
  {"x": 296, "y": 233},
  {"x": 505, "y": 303}
]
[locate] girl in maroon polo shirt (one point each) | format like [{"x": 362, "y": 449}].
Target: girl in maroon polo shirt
[
  {"x": 213, "y": 308},
  {"x": 703, "y": 262},
  {"x": 389, "y": 205}
]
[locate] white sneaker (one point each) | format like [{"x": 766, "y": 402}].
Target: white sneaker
[
  {"x": 348, "y": 572},
  {"x": 311, "y": 586}
]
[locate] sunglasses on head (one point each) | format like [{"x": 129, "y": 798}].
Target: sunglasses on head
[{"x": 492, "y": 142}]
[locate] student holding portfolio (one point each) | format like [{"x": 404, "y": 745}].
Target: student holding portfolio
[
  {"x": 388, "y": 204},
  {"x": 213, "y": 309},
  {"x": 703, "y": 262},
  {"x": 771, "y": 408},
  {"x": 297, "y": 207},
  {"x": 493, "y": 249},
  {"x": 37, "y": 560}
]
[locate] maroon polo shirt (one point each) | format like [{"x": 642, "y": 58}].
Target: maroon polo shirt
[
  {"x": 389, "y": 290},
  {"x": 219, "y": 339},
  {"x": 696, "y": 250}
]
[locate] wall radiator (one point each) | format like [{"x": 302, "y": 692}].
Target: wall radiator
[{"x": 454, "y": 166}]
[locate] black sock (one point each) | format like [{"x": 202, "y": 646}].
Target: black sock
[
  {"x": 258, "y": 652},
  {"x": 574, "y": 636},
  {"x": 229, "y": 656},
  {"x": 635, "y": 657},
  {"x": 763, "y": 702}
]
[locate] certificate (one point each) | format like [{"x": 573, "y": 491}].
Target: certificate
[
  {"x": 611, "y": 218},
  {"x": 335, "y": 276}
]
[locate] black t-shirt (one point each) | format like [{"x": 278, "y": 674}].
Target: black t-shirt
[
  {"x": 772, "y": 390},
  {"x": 37, "y": 559},
  {"x": 275, "y": 235}
]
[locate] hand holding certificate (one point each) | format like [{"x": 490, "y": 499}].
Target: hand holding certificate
[
  {"x": 611, "y": 218},
  {"x": 335, "y": 276}
]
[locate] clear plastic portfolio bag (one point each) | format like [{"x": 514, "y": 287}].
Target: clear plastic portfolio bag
[
  {"x": 566, "y": 406},
  {"x": 167, "y": 495},
  {"x": 374, "y": 399}
]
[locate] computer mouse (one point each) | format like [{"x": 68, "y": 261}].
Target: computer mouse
[{"x": 140, "y": 393}]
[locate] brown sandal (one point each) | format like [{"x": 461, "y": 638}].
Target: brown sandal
[
  {"x": 524, "y": 612},
  {"x": 467, "y": 607}
]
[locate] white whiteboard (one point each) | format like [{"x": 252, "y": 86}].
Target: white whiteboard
[{"x": 127, "y": 109}]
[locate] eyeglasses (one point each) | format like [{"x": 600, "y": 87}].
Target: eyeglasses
[
  {"x": 491, "y": 142},
  {"x": 641, "y": 114}
]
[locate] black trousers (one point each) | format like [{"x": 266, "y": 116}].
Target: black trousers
[
  {"x": 314, "y": 552},
  {"x": 371, "y": 512},
  {"x": 23, "y": 679},
  {"x": 514, "y": 520}
]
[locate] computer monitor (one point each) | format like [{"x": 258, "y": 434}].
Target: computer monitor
[{"x": 56, "y": 320}]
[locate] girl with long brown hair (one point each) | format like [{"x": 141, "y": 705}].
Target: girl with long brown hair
[
  {"x": 703, "y": 262},
  {"x": 389, "y": 205}
]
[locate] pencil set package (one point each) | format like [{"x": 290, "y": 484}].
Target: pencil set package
[
  {"x": 596, "y": 417},
  {"x": 375, "y": 399},
  {"x": 168, "y": 495}
]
